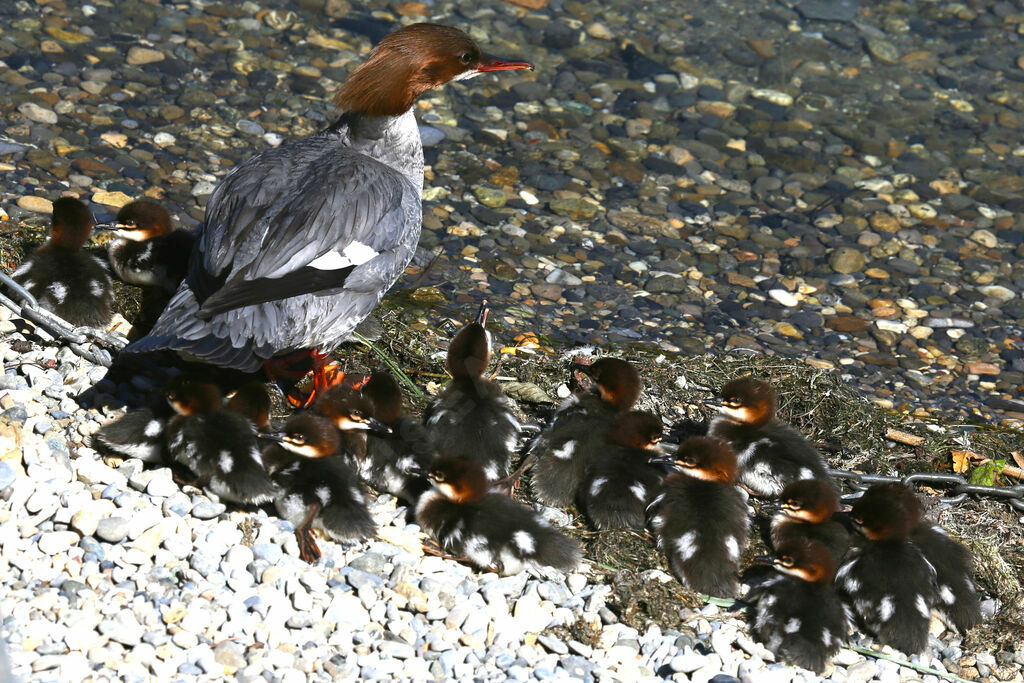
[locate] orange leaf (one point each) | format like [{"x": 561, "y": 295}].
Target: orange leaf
[{"x": 961, "y": 461}]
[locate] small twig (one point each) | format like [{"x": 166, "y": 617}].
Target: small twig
[
  {"x": 903, "y": 662},
  {"x": 390, "y": 363},
  {"x": 903, "y": 437}
]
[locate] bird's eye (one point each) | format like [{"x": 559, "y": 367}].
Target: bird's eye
[
  {"x": 357, "y": 414},
  {"x": 786, "y": 561},
  {"x": 466, "y": 57}
]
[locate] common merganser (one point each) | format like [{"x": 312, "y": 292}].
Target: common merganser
[
  {"x": 887, "y": 579},
  {"x": 63, "y": 278},
  {"x": 957, "y": 599},
  {"x": 578, "y": 430},
  {"x": 620, "y": 481},
  {"x": 218, "y": 446},
  {"x": 472, "y": 417},
  {"x": 797, "y": 612},
  {"x": 318, "y": 489},
  {"x": 148, "y": 251},
  {"x": 699, "y": 519},
  {"x": 807, "y": 511},
  {"x": 771, "y": 454},
  {"x": 388, "y": 457},
  {"x": 489, "y": 529},
  {"x": 352, "y": 415},
  {"x": 301, "y": 242}
]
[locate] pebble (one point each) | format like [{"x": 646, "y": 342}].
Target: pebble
[{"x": 112, "y": 529}]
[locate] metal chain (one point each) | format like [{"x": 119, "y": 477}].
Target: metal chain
[
  {"x": 958, "y": 487},
  {"x": 88, "y": 342}
]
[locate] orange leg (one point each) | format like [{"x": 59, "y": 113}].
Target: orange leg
[{"x": 309, "y": 551}]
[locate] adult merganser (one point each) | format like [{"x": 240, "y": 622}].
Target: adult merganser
[
  {"x": 957, "y": 599},
  {"x": 807, "y": 510},
  {"x": 798, "y": 614},
  {"x": 388, "y": 457},
  {"x": 301, "y": 242},
  {"x": 489, "y": 529},
  {"x": 62, "y": 277},
  {"x": 620, "y": 481},
  {"x": 318, "y": 489},
  {"x": 771, "y": 454},
  {"x": 148, "y": 251},
  {"x": 887, "y": 579},
  {"x": 578, "y": 430},
  {"x": 472, "y": 417},
  {"x": 699, "y": 519},
  {"x": 218, "y": 446}
]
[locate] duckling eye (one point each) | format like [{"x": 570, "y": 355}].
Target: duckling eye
[
  {"x": 466, "y": 57},
  {"x": 786, "y": 561},
  {"x": 357, "y": 414},
  {"x": 437, "y": 476}
]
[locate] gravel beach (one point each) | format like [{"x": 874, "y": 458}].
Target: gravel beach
[{"x": 838, "y": 182}]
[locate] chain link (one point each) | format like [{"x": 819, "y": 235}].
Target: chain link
[
  {"x": 958, "y": 487},
  {"x": 90, "y": 343}
]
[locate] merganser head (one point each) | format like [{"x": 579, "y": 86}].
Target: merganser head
[
  {"x": 252, "y": 402},
  {"x": 189, "y": 396},
  {"x": 703, "y": 457},
  {"x": 616, "y": 381},
  {"x": 887, "y": 512},
  {"x": 71, "y": 224},
  {"x": 140, "y": 220},
  {"x": 807, "y": 560},
  {"x": 470, "y": 350},
  {"x": 809, "y": 500},
  {"x": 410, "y": 61},
  {"x": 636, "y": 430},
  {"x": 460, "y": 480},
  {"x": 310, "y": 436},
  {"x": 386, "y": 396},
  {"x": 348, "y": 411},
  {"x": 748, "y": 401}
]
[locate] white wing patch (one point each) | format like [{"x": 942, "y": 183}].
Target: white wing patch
[
  {"x": 59, "y": 291},
  {"x": 639, "y": 490},
  {"x": 686, "y": 545},
  {"x": 525, "y": 542},
  {"x": 732, "y": 547},
  {"x": 922, "y": 606},
  {"x": 597, "y": 485},
  {"x": 96, "y": 288},
  {"x": 355, "y": 254},
  {"x": 324, "y": 494},
  {"x": 886, "y": 608},
  {"x": 226, "y": 462},
  {"x": 792, "y": 626},
  {"x": 565, "y": 452},
  {"x": 153, "y": 428},
  {"x": 946, "y": 595}
]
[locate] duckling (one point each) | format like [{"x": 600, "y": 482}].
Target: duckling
[
  {"x": 887, "y": 579},
  {"x": 699, "y": 519},
  {"x": 620, "y": 481},
  {"x": 578, "y": 429},
  {"x": 798, "y": 614},
  {"x": 318, "y": 488},
  {"x": 148, "y": 251},
  {"x": 139, "y": 433},
  {"x": 389, "y": 457},
  {"x": 472, "y": 417},
  {"x": 218, "y": 446},
  {"x": 489, "y": 529},
  {"x": 63, "y": 278},
  {"x": 352, "y": 414},
  {"x": 957, "y": 602},
  {"x": 808, "y": 510},
  {"x": 771, "y": 454}
]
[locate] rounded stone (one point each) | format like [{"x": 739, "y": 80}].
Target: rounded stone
[
  {"x": 847, "y": 260},
  {"x": 112, "y": 529}
]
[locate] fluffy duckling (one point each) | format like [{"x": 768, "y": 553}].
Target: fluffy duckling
[
  {"x": 957, "y": 600},
  {"x": 318, "y": 488},
  {"x": 388, "y": 458},
  {"x": 218, "y": 446},
  {"x": 620, "y": 480},
  {"x": 352, "y": 415},
  {"x": 887, "y": 579},
  {"x": 63, "y": 278},
  {"x": 699, "y": 519},
  {"x": 807, "y": 510},
  {"x": 489, "y": 529},
  {"x": 798, "y": 614},
  {"x": 577, "y": 430},
  {"x": 147, "y": 250},
  {"x": 771, "y": 454},
  {"x": 472, "y": 417}
]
